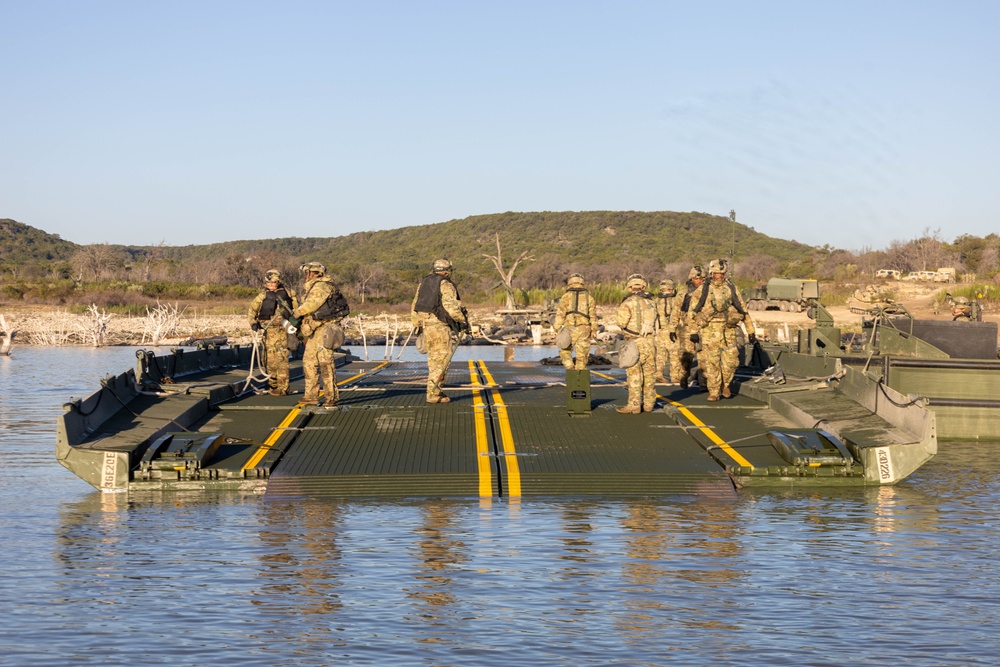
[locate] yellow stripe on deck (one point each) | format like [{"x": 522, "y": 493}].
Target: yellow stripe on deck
[
  {"x": 506, "y": 436},
  {"x": 482, "y": 445},
  {"x": 709, "y": 433},
  {"x": 289, "y": 418}
]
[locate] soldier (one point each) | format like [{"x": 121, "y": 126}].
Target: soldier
[
  {"x": 637, "y": 317},
  {"x": 688, "y": 341},
  {"x": 717, "y": 310},
  {"x": 667, "y": 345},
  {"x": 267, "y": 311},
  {"x": 322, "y": 309},
  {"x": 437, "y": 312},
  {"x": 577, "y": 311}
]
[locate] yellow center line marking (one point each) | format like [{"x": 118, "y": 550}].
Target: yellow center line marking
[
  {"x": 482, "y": 451},
  {"x": 506, "y": 436},
  {"x": 712, "y": 435},
  {"x": 289, "y": 418}
]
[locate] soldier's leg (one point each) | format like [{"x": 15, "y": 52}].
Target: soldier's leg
[
  {"x": 650, "y": 369},
  {"x": 676, "y": 367},
  {"x": 328, "y": 371},
  {"x": 566, "y": 357},
  {"x": 581, "y": 345},
  {"x": 633, "y": 376},
  {"x": 438, "y": 341},
  {"x": 277, "y": 359},
  {"x": 310, "y": 370},
  {"x": 729, "y": 361},
  {"x": 661, "y": 356}
]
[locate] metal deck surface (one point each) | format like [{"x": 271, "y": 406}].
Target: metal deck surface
[{"x": 506, "y": 433}]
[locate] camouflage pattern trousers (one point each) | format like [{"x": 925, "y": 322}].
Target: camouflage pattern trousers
[
  {"x": 318, "y": 364},
  {"x": 580, "y": 335},
  {"x": 719, "y": 355},
  {"x": 440, "y": 349},
  {"x": 641, "y": 377},
  {"x": 668, "y": 352},
  {"x": 276, "y": 357}
]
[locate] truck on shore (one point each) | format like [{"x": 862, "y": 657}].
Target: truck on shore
[{"x": 788, "y": 294}]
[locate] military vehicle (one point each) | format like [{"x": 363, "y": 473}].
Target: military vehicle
[
  {"x": 952, "y": 367},
  {"x": 201, "y": 420},
  {"x": 787, "y": 294}
]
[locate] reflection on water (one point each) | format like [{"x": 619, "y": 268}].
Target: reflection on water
[{"x": 906, "y": 574}]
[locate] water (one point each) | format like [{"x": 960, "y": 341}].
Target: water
[{"x": 905, "y": 575}]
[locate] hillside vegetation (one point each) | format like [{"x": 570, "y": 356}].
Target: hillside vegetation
[{"x": 382, "y": 267}]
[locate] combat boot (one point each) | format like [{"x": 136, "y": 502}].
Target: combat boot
[
  {"x": 726, "y": 393},
  {"x": 629, "y": 410}
]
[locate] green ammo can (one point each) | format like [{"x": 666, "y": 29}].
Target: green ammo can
[{"x": 578, "y": 393}]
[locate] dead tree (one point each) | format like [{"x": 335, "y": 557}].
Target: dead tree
[{"x": 507, "y": 277}]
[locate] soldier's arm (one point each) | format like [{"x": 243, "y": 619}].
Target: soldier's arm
[
  {"x": 450, "y": 302},
  {"x": 623, "y": 315},
  {"x": 316, "y": 297},
  {"x": 592, "y": 314},
  {"x": 254, "y": 308},
  {"x": 560, "y": 313}
]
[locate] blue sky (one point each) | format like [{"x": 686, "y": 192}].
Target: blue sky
[{"x": 852, "y": 124}]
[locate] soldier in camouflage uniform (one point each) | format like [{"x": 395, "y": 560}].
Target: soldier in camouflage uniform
[
  {"x": 679, "y": 322},
  {"x": 577, "y": 311},
  {"x": 637, "y": 317},
  {"x": 437, "y": 312},
  {"x": 717, "y": 310},
  {"x": 267, "y": 312},
  {"x": 318, "y": 312},
  {"x": 667, "y": 345}
]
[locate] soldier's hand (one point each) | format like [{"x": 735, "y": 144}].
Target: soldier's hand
[
  {"x": 673, "y": 336},
  {"x": 752, "y": 338},
  {"x": 694, "y": 338},
  {"x": 255, "y": 326}
]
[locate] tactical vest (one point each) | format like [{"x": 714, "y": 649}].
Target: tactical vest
[
  {"x": 667, "y": 301},
  {"x": 733, "y": 301},
  {"x": 269, "y": 306},
  {"x": 575, "y": 310},
  {"x": 334, "y": 308},
  {"x": 429, "y": 298},
  {"x": 644, "y": 302}
]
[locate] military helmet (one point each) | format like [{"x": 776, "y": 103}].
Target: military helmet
[
  {"x": 667, "y": 285},
  {"x": 575, "y": 279},
  {"x": 696, "y": 272},
  {"x": 314, "y": 266},
  {"x": 272, "y": 276},
  {"x": 441, "y": 265},
  {"x": 635, "y": 280},
  {"x": 718, "y": 266}
]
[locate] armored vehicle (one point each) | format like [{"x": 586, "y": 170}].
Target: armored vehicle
[{"x": 788, "y": 294}]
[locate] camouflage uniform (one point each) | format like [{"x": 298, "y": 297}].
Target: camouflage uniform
[
  {"x": 267, "y": 313},
  {"x": 680, "y": 322},
  {"x": 318, "y": 363},
  {"x": 667, "y": 343},
  {"x": 716, "y": 310},
  {"x": 437, "y": 312},
  {"x": 637, "y": 317},
  {"x": 576, "y": 310}
]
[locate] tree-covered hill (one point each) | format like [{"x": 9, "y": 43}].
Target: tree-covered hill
[{"x": 22, "y": 244}]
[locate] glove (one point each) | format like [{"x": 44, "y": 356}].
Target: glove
[
  {"x": 694, "y": 338},
  {"x": 752, "y": 338},
  {"x": 255, "y": 326},
  {"x": 673, "y": 336},
  {"x": 294, "y": 321}
]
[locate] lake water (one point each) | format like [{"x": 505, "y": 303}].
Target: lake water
[{"x": 904, "y": 575}]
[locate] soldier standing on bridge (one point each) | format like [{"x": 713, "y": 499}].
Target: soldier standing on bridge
[
  {"x": 267, "y": 311},
  {"x": 667, "y": 345},
  {"x": 688, "y": 339},
  {"x": 321, "y": 310},
  {"x": 717, "y": 310},
  {"x": 637, "y": 317},
  {"x": 576, "y": 311},
  {"x": 437, "y": 312}
]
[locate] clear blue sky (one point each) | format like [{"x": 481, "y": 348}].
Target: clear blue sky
[{"x": 849, "y": 123}]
